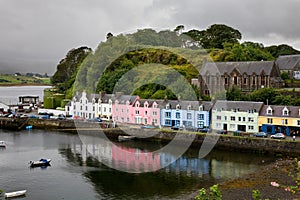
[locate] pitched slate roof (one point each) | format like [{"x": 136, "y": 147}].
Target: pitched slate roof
[
  {"x": 207, "y": 105},
  {"x": 124, "y": 98},
  {"x": 242, "y": 106},
  {"x": 287, "y": 62},
  {"x": 242, "y": 67},
  {"x": 277, "y": 111}
]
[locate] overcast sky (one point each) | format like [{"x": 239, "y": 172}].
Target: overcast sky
[{"x": 37, "y": 34}]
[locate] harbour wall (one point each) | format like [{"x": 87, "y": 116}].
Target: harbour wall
[{"x": 224, "y": 142}]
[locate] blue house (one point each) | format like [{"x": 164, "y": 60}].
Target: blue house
[{"x": 189, "y": 114}]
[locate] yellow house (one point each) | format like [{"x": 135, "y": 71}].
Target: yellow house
[{"x": 284, "y": 119}]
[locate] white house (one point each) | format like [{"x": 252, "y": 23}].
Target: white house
[
  {"x": 236, "y": 115},
  {"x": 89, "y": 106}
]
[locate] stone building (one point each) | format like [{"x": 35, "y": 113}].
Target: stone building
[{"x": 248, "y": 76}]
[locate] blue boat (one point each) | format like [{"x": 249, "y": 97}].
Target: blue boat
[{"x": 42, "y": 162}]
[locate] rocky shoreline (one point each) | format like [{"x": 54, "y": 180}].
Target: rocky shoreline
[{"x": 282, "y": 171}]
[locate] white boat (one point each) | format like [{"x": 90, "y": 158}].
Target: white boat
[
  {"x": 122, "y": 138},
  {"x": 14, "y": 194},
  {"x": 2, "y": 144}
]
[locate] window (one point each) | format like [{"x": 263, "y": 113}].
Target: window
[
  {"x": 269, "y": 111},
  {"x": 298, "y": 122},
  {"x": 189, "y": 123},
  {"x": 154, "y": 121},
  {"x": 250, "y": 119},
  {"x": 146, "y": 121},
  {"x": 250, "y": 127},
  {"x": 104, "y": 109},
  {"x": 177, "y": 115},
  {"x": 127, "y": 119},
  {"x": 232, "y": 118},
  {"x": 154, "y": 113},
  {"x": 200, "y": 124},
  {"x": 93, "y": 108},
  {"x": 109, "y": 110},
  {"x": 178, "y": 107},
  {"x": 245, "y": 80},
  {"x": 80, "y": 107},
  {"x": 253, "y": 80},
  {"x": 189, "y": 116},
  {"x": 232, "y": 126},
  {"x": 226, "y": 81},
  {"x": 177, "y": 123},
  {"x": 137, "y": 112},
  {"x": 240, "y": 119},
  {"x": 244, "y": 119},
  {"x": 219, "y": 117},
  {"x": 167, "y": 122},
  {"x": 200, "y": 116},
  {"x": 284, "y": 121},
  {"x": 218, "y": 125},
  {"x": 270, "y": 120},
  {"x": 168, "y": 114},
  {"x": 122, "y": 110},
  {"x": 146, "y": 112},
  {"x": 201, "y": 108},
  {"x": 235, "y": 80},
  {"x": 285, "y": 112}
]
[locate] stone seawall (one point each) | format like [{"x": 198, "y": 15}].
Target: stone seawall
[{"x": 225, "y": 142}]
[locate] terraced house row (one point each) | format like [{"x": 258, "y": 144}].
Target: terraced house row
[{"x": 244, "y": 116}]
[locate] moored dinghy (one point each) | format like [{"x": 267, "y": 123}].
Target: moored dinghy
[
  {"x": 15, "y": 194},
  {"x": 2, "y": 144},
  {"x": 122, "y": 138},
  {"x": 42, "y": 162}
]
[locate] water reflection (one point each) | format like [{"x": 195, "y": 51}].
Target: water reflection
[{"x": 188, "y": 173}]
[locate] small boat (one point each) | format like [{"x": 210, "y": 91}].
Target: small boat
[
  {"x": 2, "y": 144},
  {"x": 42, "y": 162},
  {"x": 122, "y": 138},
  {"x": 14, "y": 194}
]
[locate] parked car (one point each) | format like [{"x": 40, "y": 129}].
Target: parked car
[
  {"x": 260, "y": 134},
  {"x": 203, "y": 130},
  {"x": 278, "y": 136},
  {"x": 177, "y": 128},
  {"x": 222, "y": 131}
]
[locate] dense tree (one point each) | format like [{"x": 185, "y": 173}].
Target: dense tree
[
  {"x": 247, "y": 51},
  {"x": 282, "y": 49},
  {"x": 67, "y": 68},
  {"x": 215, "y": 36}
]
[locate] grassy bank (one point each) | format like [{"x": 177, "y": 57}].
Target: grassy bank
[{"x": 19, "y": 80}]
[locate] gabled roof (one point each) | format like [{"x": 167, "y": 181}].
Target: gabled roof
[
  {"x": 242, "y": 106},
  {"x": 194, "y": 105},
  {"x": 124, "y": 98},
  {"x": 248, "y": 68},
  {"x": 287, "y": 62},
  {"x": 277, "y": 111}
]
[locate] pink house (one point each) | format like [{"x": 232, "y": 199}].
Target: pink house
[
  {"x": 146, "y": 112},
  {"x": 133, "y": 110}
]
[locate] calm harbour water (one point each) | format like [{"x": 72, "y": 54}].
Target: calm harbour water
[{"x": 77, "y": 173}]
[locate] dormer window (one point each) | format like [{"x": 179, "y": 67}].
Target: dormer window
[
  {"x": 110, "y": 102},
  {"x": 146, "y": 105},
  {"x": 177, "y": 107},
  {"x": 168, "y": 106},
  {"x": 189, "y": 107},
  {"x": 285, "y": 111},
  {"x": 201, "y": 108},
  {"x": 269, "y": 111}
]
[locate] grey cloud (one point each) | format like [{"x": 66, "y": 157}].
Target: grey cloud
[{"x": 40, "y": 33}]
